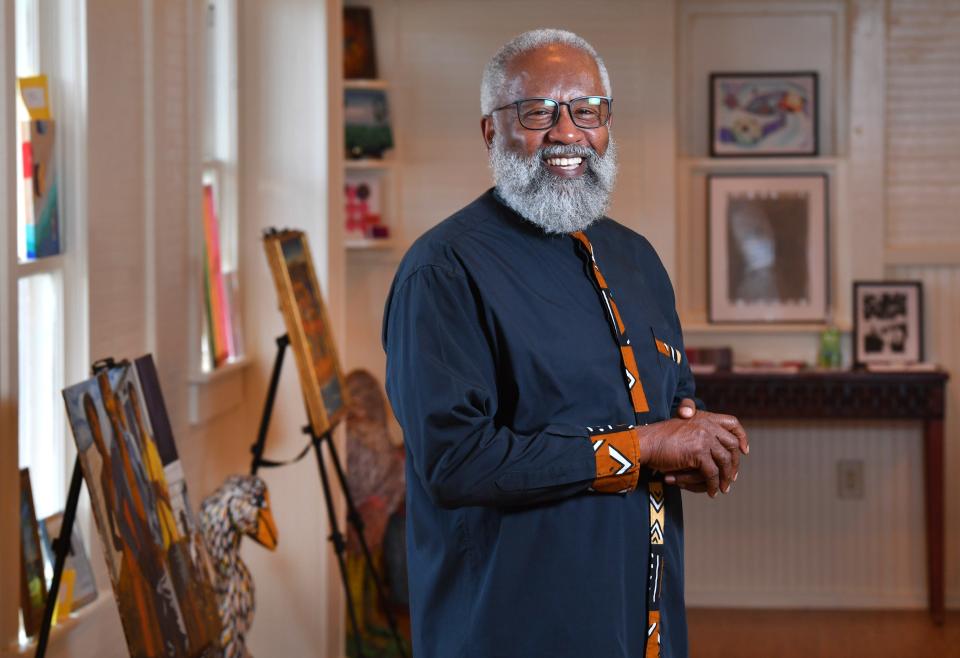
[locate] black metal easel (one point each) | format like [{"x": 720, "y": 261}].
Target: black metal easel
[
  {"x": 61, "y": 545},
  {"x": 353, "y": 515}
]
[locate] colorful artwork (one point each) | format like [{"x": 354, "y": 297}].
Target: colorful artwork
[
  {"x": 84, "y": 585},
  {"x": 362, "y": 207},
  {"x": 308, "y": 328},
  {"x": 763, "y": 114},
  {"x": 157, "y": 562},
  {"x": 33, "y": 584},
  {"x": 367, "y": 119},
  {"x": 359, "y": 57}
]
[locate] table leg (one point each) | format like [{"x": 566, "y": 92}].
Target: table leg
[{"x": 933, "y": 481}]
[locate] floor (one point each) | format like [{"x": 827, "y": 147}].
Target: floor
[{"x": 718, "y": 633}]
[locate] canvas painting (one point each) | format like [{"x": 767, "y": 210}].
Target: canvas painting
[
  {"x": 763, "y": 114},
  {"x": 84, "y": 584},
  {"x": 768, "y": 254},
  {"x": 33, "y": 583},
  {"x": 308, "y": 328},
  {"x": 162, "y": 586},
  {"x": 887, "y": 322}
]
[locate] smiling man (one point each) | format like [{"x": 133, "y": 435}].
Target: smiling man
[{"x": 535, "y": 362}]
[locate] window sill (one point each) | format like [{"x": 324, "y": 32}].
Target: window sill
[{"x": 216, "y": 392}]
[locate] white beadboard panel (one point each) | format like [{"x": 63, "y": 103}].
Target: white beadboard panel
[
  {"x": 782, "y": 538},
  {"x": 941, "y": 290},
  {"x": 923, "y": 122}
]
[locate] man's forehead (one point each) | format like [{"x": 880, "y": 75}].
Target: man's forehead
[{"x": 551, "y": 69}]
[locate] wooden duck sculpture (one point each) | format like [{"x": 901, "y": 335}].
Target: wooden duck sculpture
[{"x": 241, "y": 506}]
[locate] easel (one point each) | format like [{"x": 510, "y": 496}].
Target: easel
[
  {"x": 353, "y": 516},
  {"x": 61, "y": 545}
]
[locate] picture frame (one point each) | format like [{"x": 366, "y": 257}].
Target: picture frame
[
  {"x": 366, "y": 118},
  {"x": 887, "y": 323},
  {"x": 764, "y": 114},
  {"x": 359, "y": 54},
  {"x": 768, "y": 248},
  {"x": 308, "y": 328},
  {"x": 84, "y": 584},
  {"x": 33, "y": 582}
]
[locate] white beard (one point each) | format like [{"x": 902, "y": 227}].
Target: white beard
[{"x": 557, "y": 205}]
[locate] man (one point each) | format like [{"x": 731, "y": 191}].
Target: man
[{"x": 544, "y": 462}]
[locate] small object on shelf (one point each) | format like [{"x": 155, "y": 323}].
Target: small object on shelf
[
  {"x": 763, "y": 114},
  {"x": 829, "y": 354},
  {"x": 359, "y": 54},
  {"x": 887, "y": 323},
  {"x": 768, "y": 248},
  {"x": 770, "y": 368},
  {"x": 377, "y": 232},
  {"x": 33, "y": 584},
  {"x": 367, "y": 123},
  {"x": 709, "y": 359}
]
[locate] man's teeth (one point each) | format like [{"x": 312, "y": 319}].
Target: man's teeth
[{"x": 569, "y": 163}]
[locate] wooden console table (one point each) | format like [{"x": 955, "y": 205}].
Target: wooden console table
[{"x": 845, "y": 395}]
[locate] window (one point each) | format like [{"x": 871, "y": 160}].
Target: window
[
  {"x": 40, "y": 276},
  {"x": 221, "y": 334}
]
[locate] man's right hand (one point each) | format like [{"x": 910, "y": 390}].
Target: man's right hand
[{"x": 706, "y": 447}]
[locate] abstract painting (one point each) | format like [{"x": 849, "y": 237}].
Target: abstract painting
[
  {"x": 308, "y": 328},
  {"x": 159, "y": 571},
  {"x": 763, "y": 114},
  {"x": 33, "y": 584}
]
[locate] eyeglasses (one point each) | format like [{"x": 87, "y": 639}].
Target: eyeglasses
[{"x": 543, "y": 113}]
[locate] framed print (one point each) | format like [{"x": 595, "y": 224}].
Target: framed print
[
  {"x": 763, "y": 114},
  {"x": 366, "y": 118},
  {"x": 359, "y": 56},
  {"x": 887, "y": 322},
  {"x": 33, "y": 583},
  {"x": 768, "y": 248},
  {"x": 308, "y": 328}
]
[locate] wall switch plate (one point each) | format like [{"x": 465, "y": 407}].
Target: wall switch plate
[{"x": 850, "y": 479}]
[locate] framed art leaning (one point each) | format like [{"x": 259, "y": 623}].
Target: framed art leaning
[
  {"x": 768, "y": 248},
  {"x": 305, "y": 317}
]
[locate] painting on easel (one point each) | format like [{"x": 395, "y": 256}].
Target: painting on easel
[
  {"x": 308, "y": 328},
  {"x": 161, "y": 582}
]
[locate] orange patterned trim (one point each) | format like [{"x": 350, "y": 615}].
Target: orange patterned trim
[
  {"x": 669, "y": 352},
  {"x": 618, "y": 461},
  {"x": 653, "y": 635}
]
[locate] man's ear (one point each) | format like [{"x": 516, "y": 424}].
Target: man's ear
[{"x": 486, "y": 127}]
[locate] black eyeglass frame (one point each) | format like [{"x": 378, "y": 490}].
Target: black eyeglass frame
[{"x": 556, "y": 114}]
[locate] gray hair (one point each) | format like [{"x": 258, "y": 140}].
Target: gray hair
[{"x": 495, "y": 72}]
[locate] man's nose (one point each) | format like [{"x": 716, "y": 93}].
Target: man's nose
[{"x": 565, "y": 131}]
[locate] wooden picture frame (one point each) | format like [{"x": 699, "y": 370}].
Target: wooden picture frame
[
  {"x": 308, "y": 328},
  {"x": 768, "y": 248},
  {"x": 769, "y": 114},
  {"x": 33, "y": 582},
  {"x": 887, "y": 323},
  {"x": 359, "y": 54}
]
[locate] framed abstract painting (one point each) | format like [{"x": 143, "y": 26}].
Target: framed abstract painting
[
  {"x": 308, "y": 328},
  {"x": 887, "y": 322},
  {"x": 763, "y": 114},
  {"x": 768, "y": 248}
]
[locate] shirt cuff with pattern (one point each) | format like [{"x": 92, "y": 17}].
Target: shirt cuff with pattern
[{"x": 616, "y": 449}]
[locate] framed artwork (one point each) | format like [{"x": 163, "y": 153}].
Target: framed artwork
[
  {"x": 362, "y": 203},
  {"x": 887, "y": 322},
  {"x": 367, "y": 123},
  {"x": 359, "y": 56},
  {"x": 768, "y": 248},
  {"x": 84, "y": 585},
  {"x": 33, "y": 582},
  {"x": 308, "y": 328},
  {"x": 763, "y": 114},
  {"x": 161, "y": 582}
]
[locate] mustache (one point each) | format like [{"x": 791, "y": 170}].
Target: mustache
[{"x": 559, "y": 150}]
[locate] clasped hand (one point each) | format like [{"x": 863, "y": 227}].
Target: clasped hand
[{"x": 698, "y": 451}]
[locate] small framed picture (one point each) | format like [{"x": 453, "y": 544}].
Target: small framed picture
[
  {"x": 763, "y": 114},
  {"x": 887, "y": 322},
  {"x": 768, "y": 248}
]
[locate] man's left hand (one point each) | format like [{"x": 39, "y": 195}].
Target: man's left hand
[{"x": 690, "y": 480}]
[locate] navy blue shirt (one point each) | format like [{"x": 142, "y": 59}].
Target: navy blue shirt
[{"x": 500, "y": 355}]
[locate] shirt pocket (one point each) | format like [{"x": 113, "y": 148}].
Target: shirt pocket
[{"x": 665, "y": 346}]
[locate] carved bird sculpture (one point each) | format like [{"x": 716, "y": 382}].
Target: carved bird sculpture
[{"x": 241, "y": 506}]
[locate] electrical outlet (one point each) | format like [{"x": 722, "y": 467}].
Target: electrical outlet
[{"x": 850, "y": 479}]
